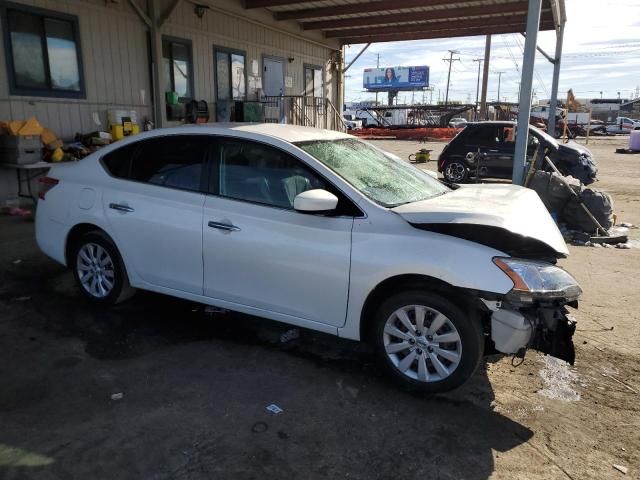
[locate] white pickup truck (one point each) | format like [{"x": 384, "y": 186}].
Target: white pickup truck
[{"x": 624, "y": 125}]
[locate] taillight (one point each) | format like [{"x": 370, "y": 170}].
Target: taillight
[{"x": 46, "y": 184}]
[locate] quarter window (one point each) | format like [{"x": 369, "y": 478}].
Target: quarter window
[
  {"x": 178, "y": 67},
  {"x": 261, "y": 174},
  {"x": 175, "y": 161},
  {"x": 43, "y": 52}
]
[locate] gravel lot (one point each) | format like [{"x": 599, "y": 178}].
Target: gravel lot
[{"x": 195, "y": 385}]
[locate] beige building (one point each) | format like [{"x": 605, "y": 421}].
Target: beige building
[{"x": 68, "y": 62}]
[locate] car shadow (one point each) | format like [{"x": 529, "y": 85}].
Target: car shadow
[{"x": 342, "y": 417}]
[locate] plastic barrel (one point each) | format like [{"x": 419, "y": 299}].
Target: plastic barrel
[{"x": 634, "y": 140}]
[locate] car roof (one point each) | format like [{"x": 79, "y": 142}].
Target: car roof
[
  {"x": 508, "y": 123},
  {"x": 288, "y": 133}
]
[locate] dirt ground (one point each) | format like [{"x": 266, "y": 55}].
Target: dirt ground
[{"x": 195, "y": 385}]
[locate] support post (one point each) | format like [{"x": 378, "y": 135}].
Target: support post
[
  {"x": 553, "y": 102},
  {"x": 475, "y": 112},
  {"x": 524, "y": 109},
  {"x": 485, "y": 79},
  {"x": 156, "y": 52}
]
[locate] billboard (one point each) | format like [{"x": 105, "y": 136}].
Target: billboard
[{"x": 396, "y": 78}]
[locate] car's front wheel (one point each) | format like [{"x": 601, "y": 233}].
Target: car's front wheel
[
  {"x": 99, "y": 270},
  {"x": 426, "y": 342},
  {"x": 456, "y": 172}
]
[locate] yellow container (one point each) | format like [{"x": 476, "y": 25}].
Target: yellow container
[{"x": 118, "y": 131}]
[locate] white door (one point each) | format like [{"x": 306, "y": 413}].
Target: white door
[
  {"x": 154, "y": 208},
  {"x": 273, "y": 77},
  {"x": 261, "y": 253}
]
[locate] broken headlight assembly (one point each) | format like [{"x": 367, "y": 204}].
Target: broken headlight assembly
[{"x": 538, "y": 281}]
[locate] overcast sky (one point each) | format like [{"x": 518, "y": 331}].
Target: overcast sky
[{"x": 601, "y": 53}]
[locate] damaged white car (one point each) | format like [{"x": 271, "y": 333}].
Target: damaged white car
[{"x": 320, "y": 230}]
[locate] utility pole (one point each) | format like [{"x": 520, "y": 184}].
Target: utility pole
[
  {"x": 377, "y": 66},
  {"x": 499, "y": 79},
  {"x": 485, "y": 78},
  {"x": 450, "y": 60},
  {"x": 479, "y": 60}
]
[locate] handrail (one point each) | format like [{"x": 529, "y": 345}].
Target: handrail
[{"x": 337, "y": 117}]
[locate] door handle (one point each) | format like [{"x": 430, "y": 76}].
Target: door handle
[
  {"x": 224, "y": 226},
  {"x": 121, "y": 208}
]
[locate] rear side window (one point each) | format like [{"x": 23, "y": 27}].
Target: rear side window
[
  {"x": 485, "y": 135},
  {"x": 175, "y": 161}
]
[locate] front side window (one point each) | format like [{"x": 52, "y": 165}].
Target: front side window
[
  {"x": 175, "y": 161},
  {"x": 230, "y": 75},
  {"x": 178, "y": 67},
  {"x": 262, "y": 174},
  {"x": 384, "y": 179},
  {"x": 43, "y": 53}
]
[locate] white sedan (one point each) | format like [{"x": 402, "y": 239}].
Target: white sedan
[{"x": 320, "y": 230}]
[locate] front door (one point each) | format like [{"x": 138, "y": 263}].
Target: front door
[
  {"x": 273, "y": 77},
  {"x": 260, "y": 252},
  {"x": 154, "y": 208}
]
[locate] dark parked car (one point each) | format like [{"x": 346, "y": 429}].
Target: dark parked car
[{"x": 496, "y": 143}]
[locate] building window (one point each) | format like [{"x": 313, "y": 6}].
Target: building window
[
  {"x": 178, "y": 67},
  {"x": 42, "y": 50},
  {"x": 230, "y": 75},
  {"x": 313, "y": 81}
]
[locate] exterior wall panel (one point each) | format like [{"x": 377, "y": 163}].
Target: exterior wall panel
[{"x": 115, "y": 61}]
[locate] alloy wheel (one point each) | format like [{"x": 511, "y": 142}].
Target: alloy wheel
[
  {"x": 95, "y": 270},
  {"x": 422, "y": 343},
  {"x": 455, "y": 172}
]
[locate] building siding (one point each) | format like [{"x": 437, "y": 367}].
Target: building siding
[{"x": 115, "y": 57}]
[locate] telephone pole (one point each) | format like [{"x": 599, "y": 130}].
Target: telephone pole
[
  {"x": 377, "y": 66},
  {"x": 450, "y": 60},
  {"x": 479, "y": 60},
  {"x": 499, "y": 79}
]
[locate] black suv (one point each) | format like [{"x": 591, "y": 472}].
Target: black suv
[{"x": 496, "y": 143}]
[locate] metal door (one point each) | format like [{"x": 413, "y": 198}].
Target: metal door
[{"x": 273, "y": 76}]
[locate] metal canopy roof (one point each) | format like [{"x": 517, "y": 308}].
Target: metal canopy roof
[{"x": 364, "y": 21}]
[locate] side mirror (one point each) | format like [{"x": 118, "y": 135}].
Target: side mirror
[{"x": 317, "y": 200}]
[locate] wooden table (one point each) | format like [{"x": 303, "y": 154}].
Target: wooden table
[{"x": 25, "y": 174}]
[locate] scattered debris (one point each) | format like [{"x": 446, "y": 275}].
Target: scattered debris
[
  {"x": 625, "y": 246},
  {"x": 16, "y": 261},
  {"x": 621, "y": 468},
  {"x": 626, "y": 225},
  {"x": 259, "y": 427},
  {"x": 290, "y": 335},
  {"x": 282, "y": 435},
  {"x": 558, "y": 380},
  {"x": 275, "y": 409},
  {"x": 626, "y": 385},
  {"x": 24, "y": 298},
  {"x": 117, "y": 396}
]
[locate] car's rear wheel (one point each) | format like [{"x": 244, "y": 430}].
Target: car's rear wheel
[
  {"x": 99, "y": 270},
  {"x": 426, "y": 342},
  {"x": 456, "y": 172}
]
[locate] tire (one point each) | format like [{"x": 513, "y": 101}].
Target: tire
[
  {"x": 429, "y": 366},
  {"x": 99, "y": 270},
  {"x": 455, "y": 171}
]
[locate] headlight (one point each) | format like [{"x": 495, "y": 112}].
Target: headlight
[{"x": 534, "y": 280}]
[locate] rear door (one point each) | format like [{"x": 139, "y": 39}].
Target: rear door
[
  {"x": 154, "y": 207},
  {"x": 261, "y": 253},
  {"x": 495, "y": 157}
]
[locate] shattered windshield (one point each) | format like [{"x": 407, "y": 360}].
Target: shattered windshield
[{"x": 384, "y": 179}]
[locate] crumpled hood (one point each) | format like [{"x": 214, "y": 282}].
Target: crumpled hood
[
  {"x": 574, "y": 146},
  {"x": 513, "y": 208}
]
